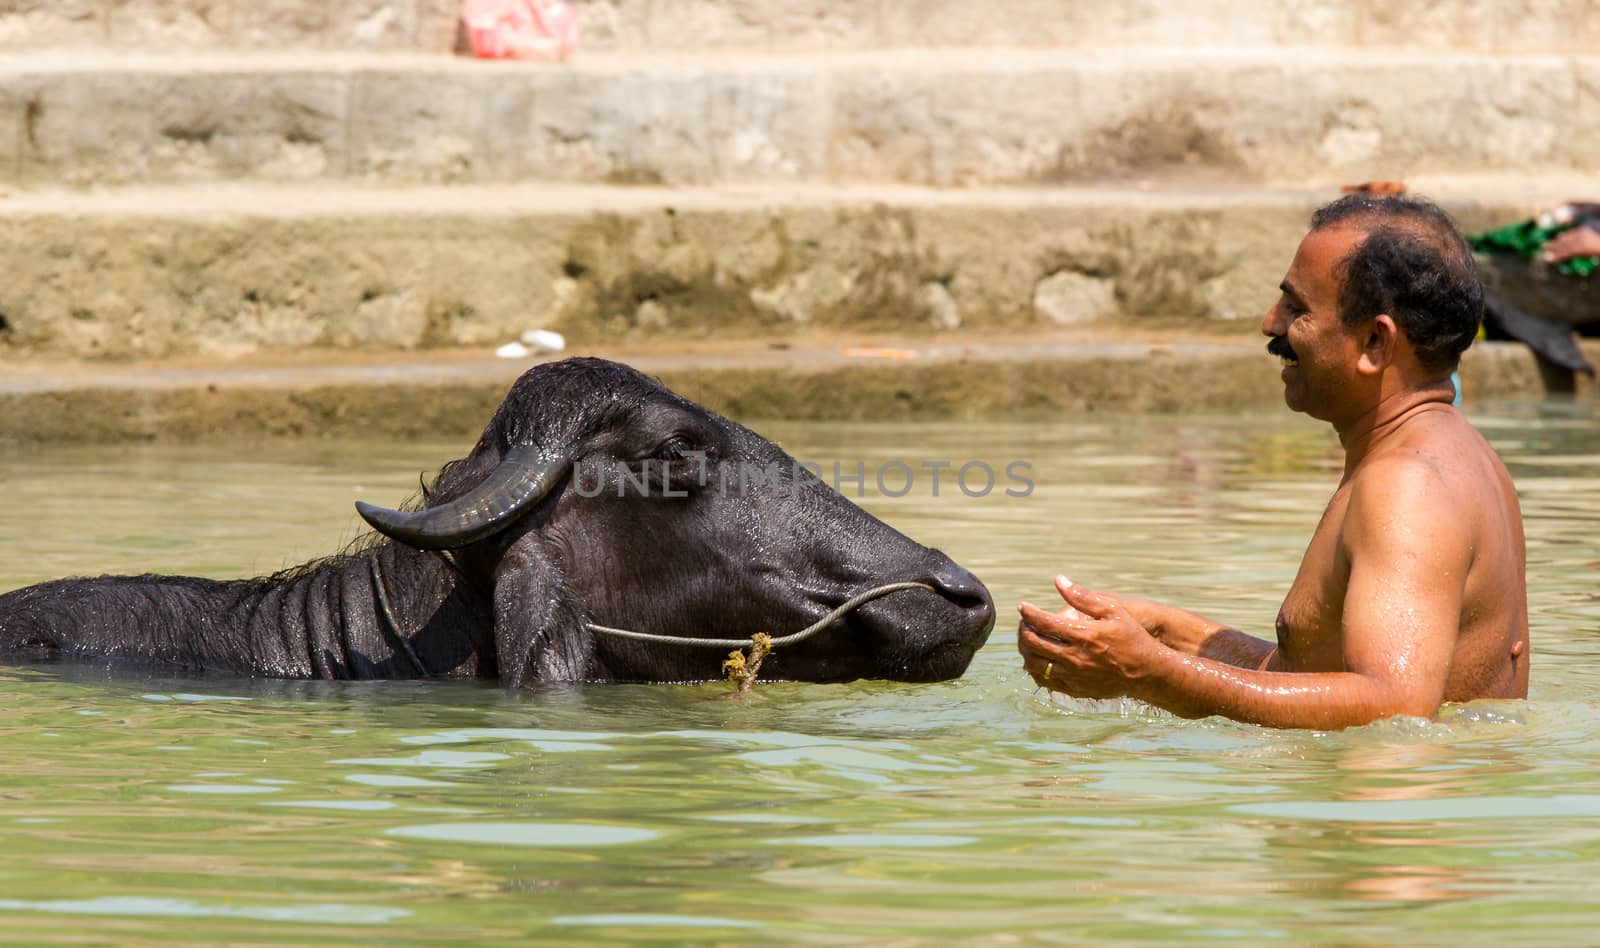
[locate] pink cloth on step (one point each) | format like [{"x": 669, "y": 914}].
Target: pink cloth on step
[{"x": 521, "y": 29}]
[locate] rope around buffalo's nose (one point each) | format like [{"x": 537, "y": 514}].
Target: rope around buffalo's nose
[
  {"x": 854, "y": 602},
  {"x": 744, "y": 670}
]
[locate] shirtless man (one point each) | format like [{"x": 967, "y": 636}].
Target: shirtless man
[{"x": 1411, "y": 592}]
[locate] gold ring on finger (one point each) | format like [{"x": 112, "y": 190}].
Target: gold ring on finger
[{"x": 1047, "y": 667}]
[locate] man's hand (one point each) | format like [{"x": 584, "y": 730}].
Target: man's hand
[
  {"x": 1173, "y": 627},
  {"x": 1153, "y": 616},
  {"x": 1094, "y": 648},
  {"x": 1578, "y": 242}
]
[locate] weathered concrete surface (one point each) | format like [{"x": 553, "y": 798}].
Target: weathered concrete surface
[
  {"x": 1046, "y": 377},
  {"x": 180, "y": 25},
  {"x": 225, "y": 270},
  {"x": 1468, "y": 25},
  {"x": 153, "y": 272},
  {"x": 940, "y": 118},
  {"x": 42, "y": 24},
  {"x": 429, "y": 25}
]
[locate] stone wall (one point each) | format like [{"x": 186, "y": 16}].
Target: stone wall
[
  {"x": 939, "y": 119},
  {"x": 137, "y": 277}
]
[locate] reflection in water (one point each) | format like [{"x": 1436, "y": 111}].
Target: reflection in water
[
  {"x": 1380, "y": 864},
  {"x": 980, "y": 809},
  {"x": 178, "y": 908}
]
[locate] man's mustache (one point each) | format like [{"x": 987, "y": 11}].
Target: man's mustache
[{"x": 1279, "y": 346}]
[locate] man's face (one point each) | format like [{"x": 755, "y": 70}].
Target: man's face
[{"x": 1318, "y": 353}]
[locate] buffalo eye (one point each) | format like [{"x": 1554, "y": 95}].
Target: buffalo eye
[
  {"x": 681, "y": 463},
  {"x": 675, "y": 449}
]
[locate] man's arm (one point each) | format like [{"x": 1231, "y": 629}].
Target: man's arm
[
  {"x": 1194, "y": 634},
  {"x": 1409, "y": 553},
  {"x": 1581, "y": 241}
]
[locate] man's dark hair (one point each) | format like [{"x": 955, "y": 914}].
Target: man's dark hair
[{"x": 1415, "y": 266}]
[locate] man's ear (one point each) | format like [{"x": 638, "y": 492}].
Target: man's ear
[{"x": 1379, "y": 345}]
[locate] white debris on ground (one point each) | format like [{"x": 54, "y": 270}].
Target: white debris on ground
[
  {"x": 533, "y": 342},
  {"x": 544, "y": 340}
]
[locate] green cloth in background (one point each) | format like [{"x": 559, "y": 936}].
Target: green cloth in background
[{"x": 1525, "y": 238}]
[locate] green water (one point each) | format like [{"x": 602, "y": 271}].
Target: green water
[{"x": 138, "y": 809}]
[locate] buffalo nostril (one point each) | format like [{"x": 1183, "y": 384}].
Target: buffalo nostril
[{"x": 962, "y": 588}]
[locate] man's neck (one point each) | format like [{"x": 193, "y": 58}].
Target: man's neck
[{"x": 1362, "y": 435}]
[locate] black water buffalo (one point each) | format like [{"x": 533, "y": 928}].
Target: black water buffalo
[
  {"x": 594, "y": 496},
  {"x": 1534, "y": 303}
]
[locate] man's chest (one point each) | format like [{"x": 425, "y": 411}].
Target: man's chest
[{"x": 1309, "y": 621}]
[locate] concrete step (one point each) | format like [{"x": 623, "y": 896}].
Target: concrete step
[
  {"x": 227, "y": 270},
  {"x": 430, "y": 25},
  {"x": 179, "y": 26},
  {"x": 942, "y": 118},
  {"x": 1045, "y": 377},
  {"x": 1501, "y": 26}
]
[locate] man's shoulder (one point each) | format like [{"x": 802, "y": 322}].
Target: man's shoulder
[
  {"x": 1405, "y": 512},
  {"x": 1433, "y": 486},
  {"x": 1406, "y": 474},
  {"x": 1443, "y": 457}
]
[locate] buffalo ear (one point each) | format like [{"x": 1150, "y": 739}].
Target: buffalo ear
[{"x": 540, "y": 633}]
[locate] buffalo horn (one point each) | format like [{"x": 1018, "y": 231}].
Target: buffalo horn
[{"x": 524, "y": 477}]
